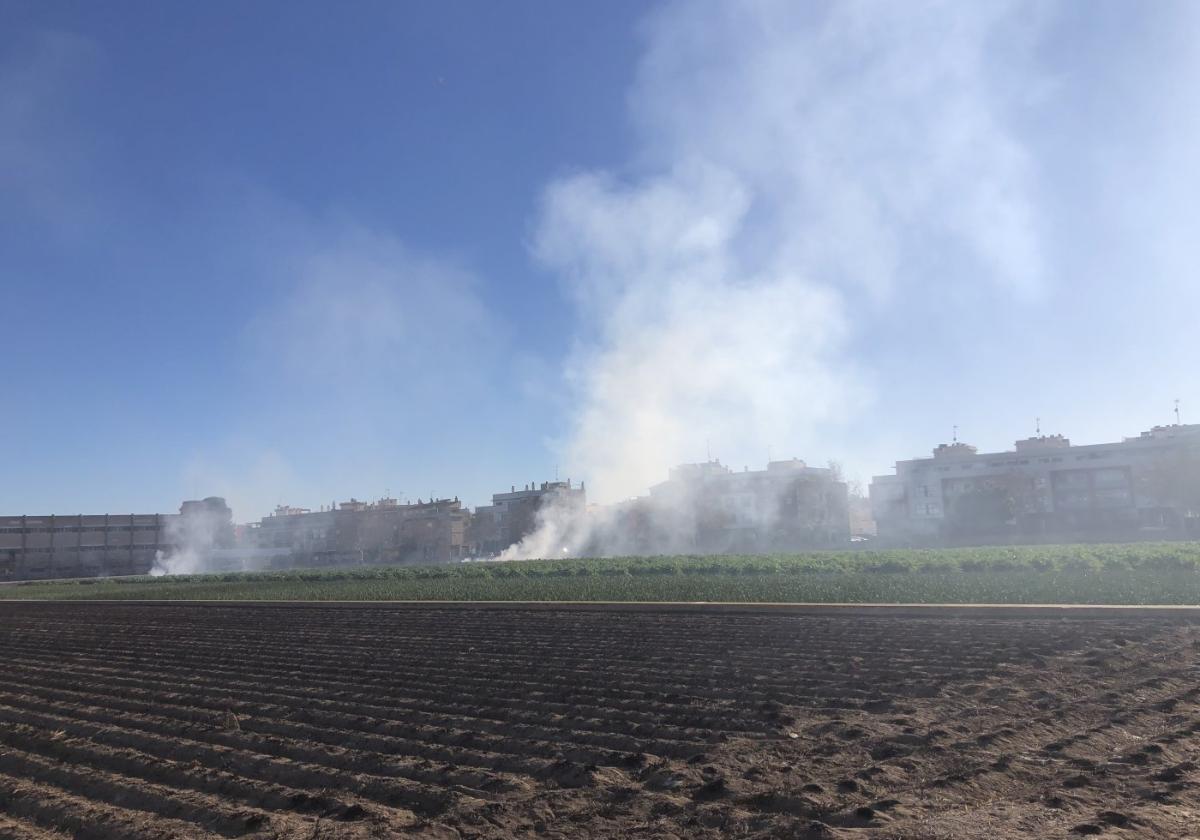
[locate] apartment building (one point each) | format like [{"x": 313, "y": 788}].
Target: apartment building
[
  {"x": 1044, "y": 488},
  {"x": 787, "y": 506},
  {"x": 384, "y": 531},
  {"x": 513, "y": 515}
]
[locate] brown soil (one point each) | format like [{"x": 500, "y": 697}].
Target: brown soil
[{"x": 310, "y": 722}]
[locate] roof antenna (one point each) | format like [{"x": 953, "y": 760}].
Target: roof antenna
[
  {"x": 1176, "y": 411},
  {"x": 1039, "y": 427},
  {"x": 707, "y": 449},
  {"x": 956, "y": 434}
]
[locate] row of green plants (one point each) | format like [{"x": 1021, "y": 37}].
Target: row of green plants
[
  {"x": 1018, "y": 587},
  {"x": 1135, "y": 573}
]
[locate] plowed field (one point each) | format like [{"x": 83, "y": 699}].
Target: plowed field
[{"x": 140, "y": 721}]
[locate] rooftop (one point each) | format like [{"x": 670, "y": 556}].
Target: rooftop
[{"x": 959, "y": 450}]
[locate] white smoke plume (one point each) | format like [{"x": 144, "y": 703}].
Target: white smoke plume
[
  {"x": 794, "y": 161},
  {"x": 197, "y": 536},
  {"x": 193, "y": 539},
  {"x": 563, "y": 527}
]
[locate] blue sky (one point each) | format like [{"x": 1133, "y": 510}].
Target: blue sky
[{"x": 295, "y": 252}]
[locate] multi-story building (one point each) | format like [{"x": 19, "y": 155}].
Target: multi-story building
[
  {"x": 298, "y": 530},
  {"x": 708, "y": 507},
  {"x": 1045, "y": 488},
  {"x": 83, "y": 545},
  {"x": 385, "y": 531},
  {"x": 512, "y": 516},
  {"x": 433, "y": 532}
]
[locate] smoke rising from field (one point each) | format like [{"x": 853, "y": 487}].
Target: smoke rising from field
[
  {"x": 794, "y": 161},
  {"x": 194, "y": 536}
]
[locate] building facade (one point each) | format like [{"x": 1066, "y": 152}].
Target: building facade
[
  {"x": 83, "y": 545},
  {"x": 355, "y": 532},
  {"x": 512, "y": 516},
  {"x": 710, "y": 508},
  {"x": 1045, "y": 488}
]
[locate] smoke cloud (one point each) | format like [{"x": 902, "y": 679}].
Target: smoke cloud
[
  {"x": 196, "y": 535},
  {"x": 795, "y": 161},
  {"x": 355, "y": 355}
]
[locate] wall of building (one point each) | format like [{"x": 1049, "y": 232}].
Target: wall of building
[
  {"x": 358, "y": 532},
  {"x": 1044, "y": 489},
  {"x": 788, "y": 506},
  {"x": 95, "y": 545},
  {"x": 512, "y": 516},
  {"x": 35, "y": 547}
]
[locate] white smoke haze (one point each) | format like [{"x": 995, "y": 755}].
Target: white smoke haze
[
  {"x": 361, "y": 315},
  {"x": 794, "y": 160},
  {"x": 43, "y": 170},
  {"x": 688, "y": 346},
  {"x": 342, "y": 366},
  {"x": 863, "y": 132},
  {"x": 562, "y": 529},
  {"x": 195, "y": 536},
  {"x": 252, "y": 480}
]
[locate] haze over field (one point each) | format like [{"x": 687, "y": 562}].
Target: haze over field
[{"x": 296, "y": 255}]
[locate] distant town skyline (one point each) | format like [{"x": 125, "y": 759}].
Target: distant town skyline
[{"x": 290, "y": 254}]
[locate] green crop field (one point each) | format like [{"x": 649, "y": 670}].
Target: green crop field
[{"x": 1142, "y": 573}]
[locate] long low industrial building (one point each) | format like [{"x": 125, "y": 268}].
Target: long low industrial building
[
  {"x": 99, "y": 545},
  {"x": 79, "y": 546}
]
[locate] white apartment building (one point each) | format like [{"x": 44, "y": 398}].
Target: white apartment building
[{"x": 1052, "y": 488}]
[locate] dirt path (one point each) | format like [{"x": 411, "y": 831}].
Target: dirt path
[{"x": 314, "y": 722}]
